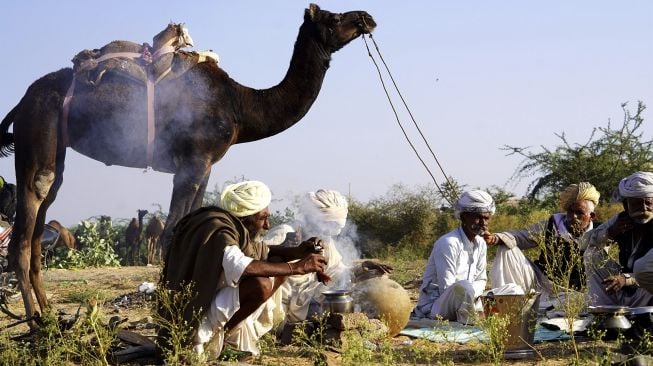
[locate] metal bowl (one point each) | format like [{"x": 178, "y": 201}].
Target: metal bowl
[
  {"x": 337, "y": 301},
  {"x": 611, "y": 316},
  {"x": 617, "y": 322}
]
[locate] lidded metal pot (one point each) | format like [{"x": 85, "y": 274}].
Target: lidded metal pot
[{"x": 337, "y": 301}]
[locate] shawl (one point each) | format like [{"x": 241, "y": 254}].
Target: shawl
[{"x": 196, "y": 253}]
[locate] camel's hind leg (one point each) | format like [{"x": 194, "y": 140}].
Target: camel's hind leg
[{"x": 39, "y": 166}]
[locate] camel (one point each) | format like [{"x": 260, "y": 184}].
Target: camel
[
  {"x": 199, "y": 115},
  {"x": 7, "y": 201},
  {"x": 133, "y": 238},
  {"x": 66, "y": 238},
  {"x": 153, "y": 232}
]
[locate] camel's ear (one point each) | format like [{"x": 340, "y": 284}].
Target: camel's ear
[{"x": 311, "y": 12}]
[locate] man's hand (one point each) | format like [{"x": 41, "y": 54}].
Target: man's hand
[
  {"x": 370, "y": 266},
  {"x": 490, "y": 238},
  {"x": 309, "y": 264},
  {"x": 614, "y": 283},
  {"x": 623, "y": 224}
]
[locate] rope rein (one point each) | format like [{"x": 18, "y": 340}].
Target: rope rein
[{"x": 403, "y": 130}]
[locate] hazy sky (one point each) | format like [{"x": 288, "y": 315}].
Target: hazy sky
[{"x": 477, "y": 75}]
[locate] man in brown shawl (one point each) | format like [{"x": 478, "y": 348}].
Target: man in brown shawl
[{"x": 232, "y": 276}]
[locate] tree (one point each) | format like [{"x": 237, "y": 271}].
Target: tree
[{"x": 608, "y": 156}]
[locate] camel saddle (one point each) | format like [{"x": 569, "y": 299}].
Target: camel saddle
[
  {"x": 135, "y": 62},
  {"x": 141, "y": 63}
]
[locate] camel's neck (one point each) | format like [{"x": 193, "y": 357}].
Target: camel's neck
[{"x": 270, "y": 111}]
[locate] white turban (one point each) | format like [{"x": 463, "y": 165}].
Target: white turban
[
  {"x": 329, "y": 205},
  {"x": 245, "y": 198},
  {"x": 474, "y": 201},
  {"x": 637, "y": 185}
]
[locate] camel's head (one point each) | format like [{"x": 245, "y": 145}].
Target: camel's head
[
  {"x": 175, "y": 35},
  {"x": 336, "y": 30}
]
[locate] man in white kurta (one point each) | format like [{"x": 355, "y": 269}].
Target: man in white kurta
[
  {"x": 559, "y": 266},
  {"x": 614, "y": 281},
  {"x": 455, "y": 275}
]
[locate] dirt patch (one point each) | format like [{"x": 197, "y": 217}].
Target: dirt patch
[{"x": 115, "y": 288}]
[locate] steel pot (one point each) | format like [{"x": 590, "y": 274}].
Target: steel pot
[
  {"x": 611, "y": 317},
  {"x": 337, "y": 301}
]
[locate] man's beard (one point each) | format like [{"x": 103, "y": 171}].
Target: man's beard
[
  {"x": 641, "y": 217},
  {"x": 259, "y": 236}
]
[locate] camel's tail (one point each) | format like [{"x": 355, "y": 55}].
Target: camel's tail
[{"x": 6, "y": 137}]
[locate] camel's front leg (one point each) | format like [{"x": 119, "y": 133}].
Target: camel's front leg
[
  {"x": 150, "y": 251},
  {"x": 188, "y": 182}
]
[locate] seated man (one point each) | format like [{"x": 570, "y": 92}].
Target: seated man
[
  {"x": 560, "y": 260},
  {"x": 232, "y": 276},
  {"x": 323, "y": 214},
  {"x": 455, "y": 276},
  {"x": 611, "y": 281}
]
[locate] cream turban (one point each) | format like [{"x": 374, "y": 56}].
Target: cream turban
[
  {"x": 331, "y": 205},
  {"x": 583, "y": 191},
  {"x": 474, "y": 201},
  {"x": 637, "y": 185},
  {"x": 245, "y": 198}
]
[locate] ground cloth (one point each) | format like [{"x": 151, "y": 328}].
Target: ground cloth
[{"x": 443, "y": 331}]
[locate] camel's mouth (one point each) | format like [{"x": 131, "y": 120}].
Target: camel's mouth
[{"x": 366, "y": 23}]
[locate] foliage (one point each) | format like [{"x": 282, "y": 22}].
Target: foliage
[
  {"x": 170, "y": 321},
  {"x": 63, "y": 342},
  {"x": 607, "y": 156},
  {"x": 450, "y": 190},
  {"x": 402, "y": 217},
  {"x": 286, "y": 217},
  {"x": 311, "y": 340},
  {"x": 495, "y": 327},
  {"x": 97, "y": 243}
]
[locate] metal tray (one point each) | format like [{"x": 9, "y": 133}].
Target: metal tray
[
  {"x": 609, "y": 309},
  {"x": 620, "y": 310},
  {"x": 641, "y": 310}
]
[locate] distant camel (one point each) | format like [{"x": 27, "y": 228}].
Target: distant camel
[
  {"x": 133, "y": 238},
  {"x": 66, "y": 238},
  {"x": 153, "y": 232}
]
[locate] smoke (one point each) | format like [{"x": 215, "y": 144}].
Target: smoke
[
  {"x": 109, "y": 120},
  {"x": 340, "y": 235}
]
